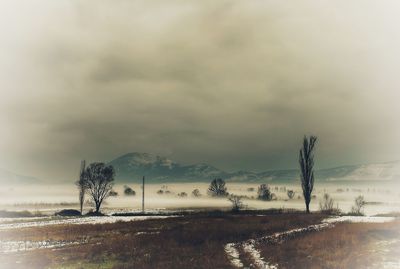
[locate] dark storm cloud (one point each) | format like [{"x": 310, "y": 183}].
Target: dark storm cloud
[{"x": 232, "y": 83}]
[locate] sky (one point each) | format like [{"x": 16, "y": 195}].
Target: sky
[{"x": 236, "y": 84}]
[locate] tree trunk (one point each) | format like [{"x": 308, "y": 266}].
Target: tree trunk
[
  {"x": 97, "y": 207},
  {"x": 308, "y": 207}
]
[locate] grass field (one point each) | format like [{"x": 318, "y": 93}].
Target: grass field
[{"x": 197, "y": 241}]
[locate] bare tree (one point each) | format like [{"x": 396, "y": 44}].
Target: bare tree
[
  {"x": 236, "y": 203},
  {"x": 264, "y": 192},
  {"x": 81, "y": 185},
  {"x": 306, "y": 160},
  {"x": 98, "y": 181},
  {"x": 358, "y": 208},
  {"x": 326, "y": 205},
  {"x": 217, "y": 188}
]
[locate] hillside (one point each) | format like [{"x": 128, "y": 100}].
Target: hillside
[
  {"x": 132, "y": 166},
  {"x": 7, "y": 177}
]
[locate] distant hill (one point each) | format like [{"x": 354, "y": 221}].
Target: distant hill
[
  {"x": 132, "y": 166},
  {"x": 7, "y": 177}
]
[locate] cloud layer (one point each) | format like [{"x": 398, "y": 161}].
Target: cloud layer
[{"x": 232, "y": 83}]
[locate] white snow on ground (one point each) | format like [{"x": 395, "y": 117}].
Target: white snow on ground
[
  {"x": 391, "y": 260},
  {"x": 279, "y": 237},
  {"x": 77, "y": 221},
  {"x": 358, "y": 219},
  {"x": 256, "y": 256},
  {"x": 17, "y": 246},
  {"x": 249, "y": 246},
  {"x": 233, "y": 255},
  {"x": 24, "y": 219}
]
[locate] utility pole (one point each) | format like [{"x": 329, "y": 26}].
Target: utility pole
[{"x": 143, "y": 196}]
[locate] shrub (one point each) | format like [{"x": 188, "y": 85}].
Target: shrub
[
  {"x": 182, "y": 194},
  {"x": 94, "y": 213},
  {"x": 68, "y": 213},
  {"x": 236, "y": 201},
  {"x": 290, "y": 194},
  {"x": 160, "y": 192},
  {"x": 359, "y": 204},
  {"x": 129, "y": 191},
  {"x": 196, "y": 193},
  {"x": 264, "y": 193},
  {"x": 113, "y": 193},
  {"x": 327, "y": 205}
]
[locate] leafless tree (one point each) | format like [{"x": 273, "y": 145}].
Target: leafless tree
[
  {"x": 217, "y": 188},
  {"x": 81, "y": 185},
  {"x": 326, "y": 205},
  {"x": 98, "y": 181},
  {"x": 358, "y": 208},
  {"x": 306, "y": 160},
  {"x": 236, "y": 202}
]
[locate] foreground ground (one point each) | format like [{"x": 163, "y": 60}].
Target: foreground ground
[{"x": 198, "y": 241}]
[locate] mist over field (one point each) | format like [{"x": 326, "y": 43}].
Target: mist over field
[
  {"x": 204, "y": 134},
  {"x": 51, "y": 198}
]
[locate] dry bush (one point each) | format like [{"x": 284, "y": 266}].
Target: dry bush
[
  {"x": 237, "y": 203},
  {"x": 326, "y": 205},
  {"x": 358, "y": 208}
]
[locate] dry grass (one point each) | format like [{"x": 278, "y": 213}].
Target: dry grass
[
  {"x": 193, "y": 241},
  {"x": 347, "y": 245},
  {"x": 197, "y": 241}
]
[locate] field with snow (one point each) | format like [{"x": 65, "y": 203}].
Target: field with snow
[
  {"x": 201, "y": 229},
  {"x": 268, "y": 239}
]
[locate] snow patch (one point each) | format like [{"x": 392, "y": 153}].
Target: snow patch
[
  {"x": 358, "y": 219},
  {"x": 77, "y": 221},
  {"x": 18, "y": 246},
  {"x": 233, "y": 255},
  {"x": 256, "y": 257}
]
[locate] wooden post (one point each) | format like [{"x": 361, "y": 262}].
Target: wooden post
[{"x": 143, "y": 196}]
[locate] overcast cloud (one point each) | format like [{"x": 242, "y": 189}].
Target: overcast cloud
[{"x": 232, "y": 83}]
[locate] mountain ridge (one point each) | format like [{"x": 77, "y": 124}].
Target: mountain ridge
[
  {"x": 7, "y": 177},
  {"x": 132, "y": 166}
]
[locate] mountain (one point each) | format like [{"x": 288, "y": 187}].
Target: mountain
[
  {"x": 376, "y": 171},
  {"x": 132, "y": 166},
  {"x": 7, "y": 177}
]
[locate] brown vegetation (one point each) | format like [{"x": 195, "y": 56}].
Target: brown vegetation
[
  {"x": 193, "y": 241},
  {"x": 347, "y": 245}
]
